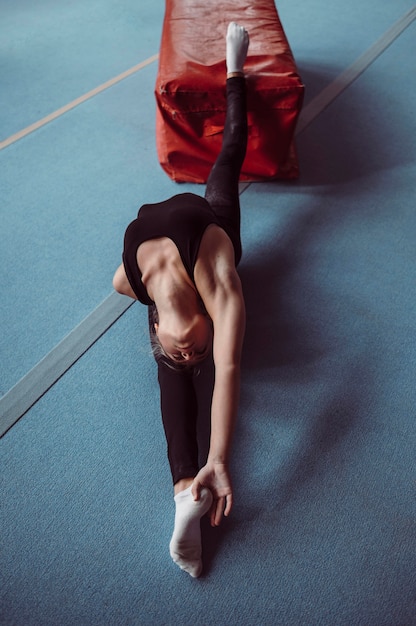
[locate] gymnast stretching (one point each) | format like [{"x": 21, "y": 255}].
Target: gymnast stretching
[{"x": 180, "y": 259}]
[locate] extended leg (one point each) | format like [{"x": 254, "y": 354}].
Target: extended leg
[
  {"x": 222, "y": 186},
  {"x": 179, "y": 409}
]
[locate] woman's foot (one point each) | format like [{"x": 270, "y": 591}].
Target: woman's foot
[
  {"x": 237, "y": 45},
  {"x": 185, "y": 546}
]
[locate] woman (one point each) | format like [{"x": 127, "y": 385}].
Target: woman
[{"x": 180, "y": 259}]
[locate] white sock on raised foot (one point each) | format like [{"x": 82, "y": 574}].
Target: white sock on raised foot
[
  {"x": 237, "y": 41},
  {"x": 185, "y": 546}
]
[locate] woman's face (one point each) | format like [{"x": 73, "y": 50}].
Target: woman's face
[{"x": 186, "y": 341}]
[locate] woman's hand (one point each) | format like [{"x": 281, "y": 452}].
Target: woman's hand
[{"x": 216, "y": 478}]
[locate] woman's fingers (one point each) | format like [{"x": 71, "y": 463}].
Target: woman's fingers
[
  {"x": 216, "y": 512},
  {"x": 217, "y": 509},
  {"x": 196, "y": 490},
  {"x": 229, "y": 504}
]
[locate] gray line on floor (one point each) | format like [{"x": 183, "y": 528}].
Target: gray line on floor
[
  {"x": 348, "y": 76},
  {"x": 25, "y": 393}
]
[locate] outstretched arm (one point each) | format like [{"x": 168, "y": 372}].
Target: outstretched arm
[{"x": 226, "y": 308}]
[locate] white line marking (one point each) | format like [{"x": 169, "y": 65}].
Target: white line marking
[{"x": 76, "y": 102}]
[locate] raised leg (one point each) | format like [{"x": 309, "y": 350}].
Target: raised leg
[{"x": 222, "y": 185}]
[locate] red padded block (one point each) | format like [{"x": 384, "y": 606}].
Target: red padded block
[{"x": 190, "y": 89}]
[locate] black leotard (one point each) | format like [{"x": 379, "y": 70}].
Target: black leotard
[{"x": 184, "y": 219}]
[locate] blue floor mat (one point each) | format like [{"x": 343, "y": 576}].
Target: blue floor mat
[{"x": 324, "y": 523}]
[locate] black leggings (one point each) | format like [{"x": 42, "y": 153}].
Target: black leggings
[{"x": 186, "y": 394}]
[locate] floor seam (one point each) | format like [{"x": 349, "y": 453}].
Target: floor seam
[{"x": 75, "y": 103}]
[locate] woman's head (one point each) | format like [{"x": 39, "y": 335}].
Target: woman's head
[{"x": 185, "y": 339}]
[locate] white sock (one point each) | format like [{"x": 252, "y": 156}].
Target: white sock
[
  {"x": 185, "y": 546},
  {"x": 237, "y": 41}
]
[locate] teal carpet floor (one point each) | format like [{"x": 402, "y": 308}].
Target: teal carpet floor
[{"x": 324, "y": 526}]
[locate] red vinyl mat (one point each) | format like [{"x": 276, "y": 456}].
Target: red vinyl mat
[{"x": 190, "y": 90}]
